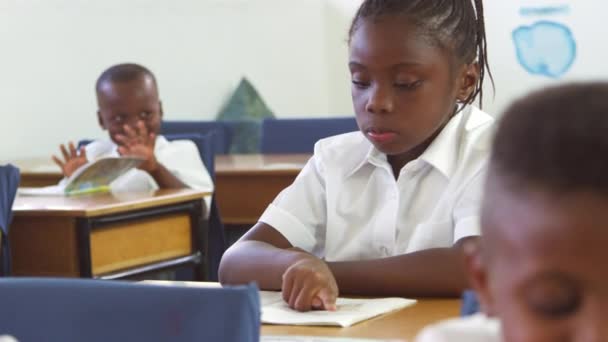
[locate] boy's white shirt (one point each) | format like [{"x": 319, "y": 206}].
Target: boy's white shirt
[
  {"x": 347, "y": 205},
  {"x": 476, "y": 328},
  {"x": 180, "y": 157}
]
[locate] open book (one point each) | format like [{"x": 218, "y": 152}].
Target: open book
[
  {"x": 92, "y": 177},
  {"x": 349, "y": 312}
]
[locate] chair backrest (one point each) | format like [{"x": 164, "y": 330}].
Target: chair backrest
[
  {"x": 222, "y": 137},
  {"x": 46, "y": 309},
  {"x": 470, "y": 304},
  {"x": 300, "y": 135},
  {"x": 9, "y": 182},
  {"x": 216, "y": 237}
]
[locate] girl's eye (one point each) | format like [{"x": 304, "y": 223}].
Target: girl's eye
[
  {"x": 144, "y": 115},
  {"x": 360, "y": 84},
  {"x": 118, "y": 119},
  {"x": 408, "y": 85}
]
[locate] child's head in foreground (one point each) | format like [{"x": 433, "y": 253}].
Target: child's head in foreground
[
  {"x": 127, "y": 94},
  {"x": 541, "y": 266},
  {"x": 413, "y": 63}
]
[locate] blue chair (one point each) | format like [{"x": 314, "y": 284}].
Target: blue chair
[
  {"x": 470, "y": 304},
  {"x": 300, "y": 135},
  {"x": 9, "y": 182},
  {"x": 221, "y": 140},
  {"x": 216, "y": 238},
  {"x": 46, "y": 309}
]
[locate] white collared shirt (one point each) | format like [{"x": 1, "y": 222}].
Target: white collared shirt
[
  {"x": 347, "y": 205},
  {"x": 180, "y": 157}
]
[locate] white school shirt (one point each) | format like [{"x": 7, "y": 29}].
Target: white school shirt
[
  {"x": 346, "y": 204},
  {"x": 180, "y": 157},
  {"x": 476, "y": 328}
]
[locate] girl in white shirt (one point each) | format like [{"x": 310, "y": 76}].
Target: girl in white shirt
[
  {"x": 540, "y": 266},
  {"x": 383, "y": 211}
]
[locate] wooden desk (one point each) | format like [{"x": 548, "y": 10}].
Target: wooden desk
[
  {"x": 403, "y": 324},
  {"x": 37, "y": 171},
  {"x": 108, "y": 236},
  {"x": 247, "y": 184}
]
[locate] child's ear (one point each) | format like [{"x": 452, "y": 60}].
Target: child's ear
[
  {"x": 478, "y": 276},
  {"x": 100, "y": 120},
  {"x": 160, "y": 106},
  {"x": 468, "y": 81}
]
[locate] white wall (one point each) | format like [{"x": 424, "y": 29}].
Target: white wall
[
  {"x": 294, "y": 52},
  {"x": 53, "y": 50}
]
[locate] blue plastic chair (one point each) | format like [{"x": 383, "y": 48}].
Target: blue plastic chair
[
  {"x": 216, "y": 236},
  {"x": 470, "y": 304},
  {"x": 300, "y": 135},
  {"x": 221, "y": 140},
  {"x": 46, "y": 309},
  {"x": 9, "y": 182}
]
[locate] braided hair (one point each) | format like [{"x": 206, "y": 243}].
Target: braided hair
[{"x": 458, "y": 25}]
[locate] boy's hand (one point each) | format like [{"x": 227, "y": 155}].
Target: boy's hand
[
  {"x": 72, "y": 159},
  {"x": 308, "y": 284},
  {"x": 138, "y": 142}
]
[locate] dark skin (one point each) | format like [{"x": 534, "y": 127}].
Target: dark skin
[
  {"x": 540, "y": 265},
  {"x": 131, "y": 112},
  {"x": 404, "y": 91}
]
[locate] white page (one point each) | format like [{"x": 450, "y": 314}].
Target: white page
[
  {"x": 349, "y": 311},
  {"x": 53, "y": 190}
]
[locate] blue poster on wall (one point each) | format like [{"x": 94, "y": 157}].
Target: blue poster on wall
[{"x": 546, "y": 47}]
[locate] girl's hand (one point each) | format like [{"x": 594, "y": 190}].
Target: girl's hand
[{"x": 309, "y": 284}]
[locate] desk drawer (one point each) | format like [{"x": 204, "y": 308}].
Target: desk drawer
[{"x": 130, "y": 244}]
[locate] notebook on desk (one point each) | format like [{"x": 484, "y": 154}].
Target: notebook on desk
[{"x": 93, "y": 177}]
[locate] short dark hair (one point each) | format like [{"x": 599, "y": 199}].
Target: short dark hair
[
  {"x": 123, "y": 73},
  {"x": 555, "y": 139},
  {"x": 457, "y": 24}
]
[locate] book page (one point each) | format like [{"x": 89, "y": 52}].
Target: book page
[
  {"x": 349, "y": 311},
  {"x": 100, "y": 173}
]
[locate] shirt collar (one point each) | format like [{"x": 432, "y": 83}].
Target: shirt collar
[{"x": 442, "y": 153}]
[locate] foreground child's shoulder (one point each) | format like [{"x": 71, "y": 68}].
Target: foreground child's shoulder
[{"x": 476, "y": 328}]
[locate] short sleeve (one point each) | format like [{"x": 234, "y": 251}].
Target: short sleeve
[
  {"x": 468, "y": 207},
  {"x": 299, "y": 212}
]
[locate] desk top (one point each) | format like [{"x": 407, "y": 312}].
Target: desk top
[
  {"x": 100, "y": 204},
  {"x": 265, "y": 164}
]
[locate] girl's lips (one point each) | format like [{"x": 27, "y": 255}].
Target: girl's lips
[{"x": 381, "y": 136}]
